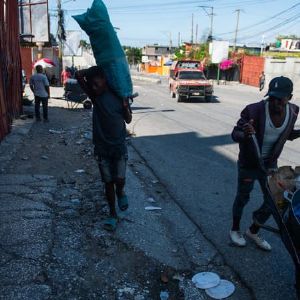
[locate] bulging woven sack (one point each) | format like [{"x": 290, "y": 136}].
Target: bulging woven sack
[{"x": 106, "y": 46}]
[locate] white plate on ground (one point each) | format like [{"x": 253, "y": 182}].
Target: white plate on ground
[
  {"x": 206, "y": 280},
  {"x": 224, "y": 290}
]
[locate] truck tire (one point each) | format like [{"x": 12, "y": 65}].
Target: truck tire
[
  {"x": 87, "y": 104},
  {"x": 208, "y": 98},
  {"x": 179, "y": 98},
  {"x": 172, "y": 94}
]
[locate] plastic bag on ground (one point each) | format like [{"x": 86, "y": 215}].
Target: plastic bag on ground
[{"x": 107, "y": 49}]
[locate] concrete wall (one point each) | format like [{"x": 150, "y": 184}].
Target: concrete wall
[{"x": 289, "y": 67}]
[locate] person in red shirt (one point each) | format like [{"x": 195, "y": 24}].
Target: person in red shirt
[{"x": 65, "y": 75}]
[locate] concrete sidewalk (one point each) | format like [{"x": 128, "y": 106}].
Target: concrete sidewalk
[{"x": 52, "y": 243}]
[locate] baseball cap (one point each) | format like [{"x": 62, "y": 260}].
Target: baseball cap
[{"x": 280, "y": 87}]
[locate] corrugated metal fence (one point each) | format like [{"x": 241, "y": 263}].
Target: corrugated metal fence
[
  {"x": 252, "y": 66},
  {"x": 10, "y": 62}
]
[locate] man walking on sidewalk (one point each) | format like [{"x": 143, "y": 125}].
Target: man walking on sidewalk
[
  {"x": 272, "y": 122},
  {"x": 109, "y": 132},
  {"x": 262, "y": 80},
  {"x": 39, "y": 85}
]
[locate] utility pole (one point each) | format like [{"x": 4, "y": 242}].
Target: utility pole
[
  {"x": 179, "y": 39},
  {"x": 171, "y": 44},
  {"x": 211, "y": 15},
  {"x": 238, "y": 11},
  {"x": 196, "y": 38},
  {"x": 192, "y": 39},
  {"x": 211, "y": 22},
  {"x": 60, "y": 34}
]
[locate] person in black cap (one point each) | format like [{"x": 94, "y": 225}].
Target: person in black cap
[{"x": 272, "y": 122}]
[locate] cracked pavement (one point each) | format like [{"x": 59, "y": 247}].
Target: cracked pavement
[{"x": 52, "y": 244}]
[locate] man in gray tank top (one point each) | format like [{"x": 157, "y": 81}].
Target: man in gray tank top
[{"x": 272, "y": 122}]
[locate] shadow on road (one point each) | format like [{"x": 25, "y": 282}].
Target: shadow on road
[{"x": 200, "y": 174}]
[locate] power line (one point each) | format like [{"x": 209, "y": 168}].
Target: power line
[
  {"x": 156, "y": 5},
  {"x": 263, "y": 21},
  {"x": 277, "y": 26}
]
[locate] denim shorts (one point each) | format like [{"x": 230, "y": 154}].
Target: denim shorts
[{"x": 112, "y": 169}]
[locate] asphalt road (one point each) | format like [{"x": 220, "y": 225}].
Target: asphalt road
[{"x": 188, "y": 146}]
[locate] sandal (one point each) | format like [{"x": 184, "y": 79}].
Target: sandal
[
  {"x": 111, "y": 224},
  {"x": 123, "y": 202}
]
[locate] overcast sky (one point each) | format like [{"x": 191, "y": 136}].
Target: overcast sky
[{"x": 153, "y": 21}]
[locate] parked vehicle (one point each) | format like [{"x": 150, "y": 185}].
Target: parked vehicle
[
  {"x": 185, "y": 64},
  {"x": 190, "y": 84}
]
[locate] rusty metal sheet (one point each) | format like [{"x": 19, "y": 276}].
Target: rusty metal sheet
[{"x": 10, "y": 61}]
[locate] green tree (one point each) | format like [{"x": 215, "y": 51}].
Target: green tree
[
  {"x": 180, "y": 52},
  {"x": 291, "y": 36},
  {"x": 201, "y": 52},
  {"x": 85, "y": 45},
  {"x": 134, "y": 54}
]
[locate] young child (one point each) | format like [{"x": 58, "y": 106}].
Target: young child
[{"x": 109, "y": 132}]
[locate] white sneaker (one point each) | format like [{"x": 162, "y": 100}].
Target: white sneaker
[
  {"x": 237, "y": 238},
  {"x": 259, "y": 241}
]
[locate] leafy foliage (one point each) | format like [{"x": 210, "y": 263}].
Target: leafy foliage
[
  {"x": 85, "y": 45},
  {"x": 291, "y": 36},
  {"x": 134, "y": 55}
]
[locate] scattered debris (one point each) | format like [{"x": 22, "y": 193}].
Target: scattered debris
[
  {"x": 178, "y": 277},
  {"x": 164, "y": 295},
  {"x": 221, "y": 291},
  {"x": 126, "y": 290},
  {"x": 75, "y": 201},
  {"x": 45, "y": 157},
  {"x": 53, "y": 131},
  {"x": 88, "y": 135},
  {"x": 155, "y": 181},
  {"x": 80, "y": 142},
  {"x": 25, "y": 158},
  {"x": 152, "y": 208},
  {"x": 80, "y": 171},
  {"x": 206, "y": 280},
  {"x": 164, "y": 277},
  {"x": 151, "y": 200}
]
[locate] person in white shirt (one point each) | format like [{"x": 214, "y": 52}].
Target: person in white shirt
[{"x": 39, "y": 85}]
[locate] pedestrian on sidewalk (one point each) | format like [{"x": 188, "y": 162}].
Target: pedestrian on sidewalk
[
  {"x": 39, "y": 85},
  {"x": 272, "y": 122},
  {"x": 110, "y": 115},
  {"x": 65, "y": 75},
  {"x": 262, "y": 80}
]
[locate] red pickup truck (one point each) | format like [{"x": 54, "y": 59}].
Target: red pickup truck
[{"x": 189, "y": 84}]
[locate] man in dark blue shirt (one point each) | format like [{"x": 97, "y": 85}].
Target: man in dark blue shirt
[{"x": 110, "y": 113}]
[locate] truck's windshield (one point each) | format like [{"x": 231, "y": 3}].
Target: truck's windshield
[
  {"x": 188, "y": 65},
  {"x": 191, "y": 75}
]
